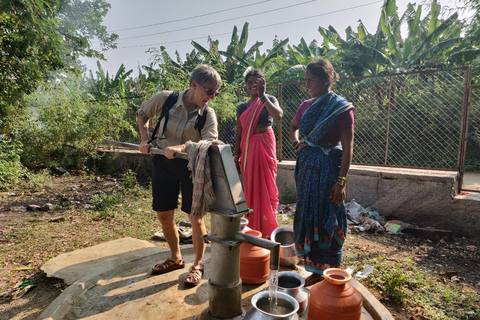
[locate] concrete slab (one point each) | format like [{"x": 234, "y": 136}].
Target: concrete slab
[
  {"x": 471, "y": 181},
  {"x": 118, "y": 285},
  {"x": 75, "y": 265}
]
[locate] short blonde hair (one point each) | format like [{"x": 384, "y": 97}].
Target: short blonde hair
[{"x": 205, "y": 74}]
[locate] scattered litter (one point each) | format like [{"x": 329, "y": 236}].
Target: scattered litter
[
  {"x": 158, "y": 236},
  {"x": 48, "y": 207},
  {"x": 23, "y": 268},
  {"x": 371, "y": 225},
  {"x": 33, "y": 207},
  {"x": 57, "y": 219},
  {"x": 357, "y": 229},
  {"x": 18, "y": 209},
  {"x": 354, "y": 210},
  {"x": 287, "y": 209},
  {"x": 471, "y": 248},
  {"x": 350, "y": 269},
  {"x": 184, "y": 233},
  {"x": 363, "y": 219},
  {"x": 110, "y": 178},
  {"x": 392, "y": 227},
  {"x": 20, "y": 290},
  {"x": 62, "y": 171},
  {"x": 367, "y": 270},
  {"x": 98, "y": 179}
]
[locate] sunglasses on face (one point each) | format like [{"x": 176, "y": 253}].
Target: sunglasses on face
[{"x": 210, "y": 92}]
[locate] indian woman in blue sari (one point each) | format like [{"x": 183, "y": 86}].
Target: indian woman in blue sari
[{"x": 322, "y": 134}]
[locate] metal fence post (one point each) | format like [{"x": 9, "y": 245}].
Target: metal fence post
[{"x": 462, "y": 145}]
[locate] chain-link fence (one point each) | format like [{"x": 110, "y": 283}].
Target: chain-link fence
[{"x": 411, "y": 119}]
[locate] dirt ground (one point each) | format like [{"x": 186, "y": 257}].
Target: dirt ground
[{"x": 449, "y": 261}]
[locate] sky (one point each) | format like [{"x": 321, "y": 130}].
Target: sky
[{"x": 144, "y": 24}]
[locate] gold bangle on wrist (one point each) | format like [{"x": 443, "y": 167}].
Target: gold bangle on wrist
[
  {"x": 295, "y": 143},
  {"x": 341, "y": 180}
]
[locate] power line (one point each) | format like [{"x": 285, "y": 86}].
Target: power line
[
  {"x": 261, "y": 27},
  {"x": 217, "y": 22},
  {"x": 192, "y": 17}
]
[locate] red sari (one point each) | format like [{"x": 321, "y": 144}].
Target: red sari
[{"x": 258, "y": 162}]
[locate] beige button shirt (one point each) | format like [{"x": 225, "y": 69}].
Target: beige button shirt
[{"x": 180, "y": 125}]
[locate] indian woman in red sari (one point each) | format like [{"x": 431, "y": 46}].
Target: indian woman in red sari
[{"x": 255, "y": 153}]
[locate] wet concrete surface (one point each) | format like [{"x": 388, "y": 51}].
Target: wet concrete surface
[{"x": 113, "y": 281}]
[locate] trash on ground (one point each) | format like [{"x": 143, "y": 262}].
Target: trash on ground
[
  {"x": 287, "y": 209},
  {"x": 363, "y": 219},
  {"x": 20, "y": 290},
  {"x": 392, "y": 227},
  {"x": 184, "y": 228},
  {"x": 367, "y": 270},
  {"x": 23, "y": 268},
  {"x": 350, "y": 269},
  {"x": 57, "y": 219},
  {"x": 33, "y": 207}
]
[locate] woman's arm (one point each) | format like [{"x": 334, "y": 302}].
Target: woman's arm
[
  {"x": 337, "y": 194},
  {"x": 273, "y": 108},
  {"x": 293, "y": 130},
  {"x": 238, "y": 137}
]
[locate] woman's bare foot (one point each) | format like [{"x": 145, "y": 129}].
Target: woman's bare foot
[{"x": 312, "y": 279}]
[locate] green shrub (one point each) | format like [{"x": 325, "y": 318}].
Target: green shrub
[
  {"x": 104, "y": 202},
  {"x": 11, "y": 169},
  {"x": 38, "y": 181},
  {"x": 129, "y": 180},
  {"x": 64, "y": 127}
]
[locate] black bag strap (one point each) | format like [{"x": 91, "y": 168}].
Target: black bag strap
[
  {"x": 200, "y": 122},
  {"x": 169, "y": 103}
]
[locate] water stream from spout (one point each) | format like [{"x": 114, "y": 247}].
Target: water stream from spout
[{"x": 272, "y": 289}]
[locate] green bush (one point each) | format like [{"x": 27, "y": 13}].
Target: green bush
[
  {"x": 63, "y": 128},
  {"x": 11, "y": 169}
]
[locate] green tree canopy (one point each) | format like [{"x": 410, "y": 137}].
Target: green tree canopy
[{"x": 38, "y": 36}]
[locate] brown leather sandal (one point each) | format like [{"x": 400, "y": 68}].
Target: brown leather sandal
[
  {"x": 167, "y": 266},
  {"x": 195, "y": 275}
]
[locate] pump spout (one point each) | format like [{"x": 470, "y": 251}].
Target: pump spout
[{"x": 273, "y": 246}]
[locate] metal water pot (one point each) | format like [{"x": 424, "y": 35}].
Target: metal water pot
[
  {"x": 260, "y": 310},
  {"x": 288, "y": 254},
  {"x": 293, "y": 284}
]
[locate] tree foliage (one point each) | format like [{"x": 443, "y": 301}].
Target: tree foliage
[{"x": 38, "y": 36}]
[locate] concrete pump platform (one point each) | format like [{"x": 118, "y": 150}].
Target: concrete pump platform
[{"x": 112, "y": 280}]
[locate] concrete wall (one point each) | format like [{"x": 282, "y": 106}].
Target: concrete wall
[{"x": 422, "y": 197}]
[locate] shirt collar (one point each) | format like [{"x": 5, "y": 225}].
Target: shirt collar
[{"x": 180, "y": 103}]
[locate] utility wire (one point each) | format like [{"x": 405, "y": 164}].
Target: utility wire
[
  {"x": 261, "y": 27},
  {"x": 217, "y": 22},
  {"x": 192, "y": 17}
]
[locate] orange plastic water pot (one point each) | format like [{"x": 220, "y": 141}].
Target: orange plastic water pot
[
  {"x": 334, "y": 298},
  {"x": 254, "y": 261}
]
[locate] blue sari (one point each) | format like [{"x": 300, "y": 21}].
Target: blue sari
[{"x": 319, "y": 225}]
